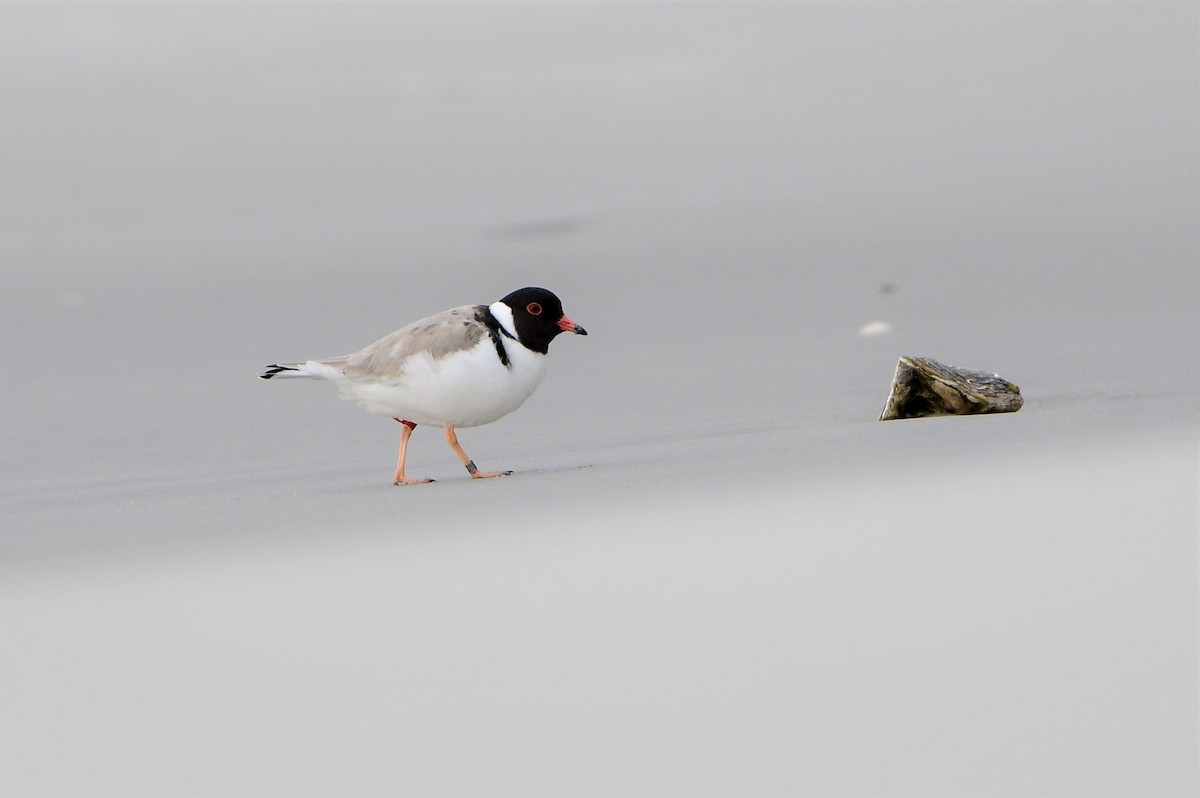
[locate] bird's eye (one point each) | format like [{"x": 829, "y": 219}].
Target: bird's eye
[{"x": 534, "y": 309}]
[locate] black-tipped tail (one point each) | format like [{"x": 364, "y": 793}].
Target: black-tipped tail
[{"x": 276, "y": 368}]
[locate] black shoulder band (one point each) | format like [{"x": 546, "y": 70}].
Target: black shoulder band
[{"x": 495, "y": 330}]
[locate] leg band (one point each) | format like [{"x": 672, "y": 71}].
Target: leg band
[{"x": 471, "y": 469}]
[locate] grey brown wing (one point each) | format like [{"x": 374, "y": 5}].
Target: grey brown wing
[{"x": 441, "y": 335}]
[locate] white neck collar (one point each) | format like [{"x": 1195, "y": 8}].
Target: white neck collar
[{"x": 504, "y": 315}]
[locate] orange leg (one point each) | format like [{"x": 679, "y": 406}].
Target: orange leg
[
  {"x": 475, "y": 473},
  {"x": 405, "y": 433}
]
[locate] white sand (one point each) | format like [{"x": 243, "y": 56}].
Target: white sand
[{"x": 714, "y": 572}]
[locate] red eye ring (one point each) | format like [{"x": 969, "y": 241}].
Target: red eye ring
[{"x": 534, "y": 309}]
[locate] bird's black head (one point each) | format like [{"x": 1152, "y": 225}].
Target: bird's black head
[{"x": 538, "y": 317}]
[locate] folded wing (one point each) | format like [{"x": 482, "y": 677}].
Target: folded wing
[{"x": 455, "y": 330}]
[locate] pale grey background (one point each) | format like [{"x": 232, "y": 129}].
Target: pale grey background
[{"x": 714, "y": 573}]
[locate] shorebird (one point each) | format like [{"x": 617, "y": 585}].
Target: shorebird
[{"x": 463, "y": 367}]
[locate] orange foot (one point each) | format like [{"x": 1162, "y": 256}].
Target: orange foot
[
  {"x": 411, "y": 481},
  {"x": 489, "y": 474}
]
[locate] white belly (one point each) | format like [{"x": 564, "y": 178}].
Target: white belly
[{"x": 465, "y": 389}]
